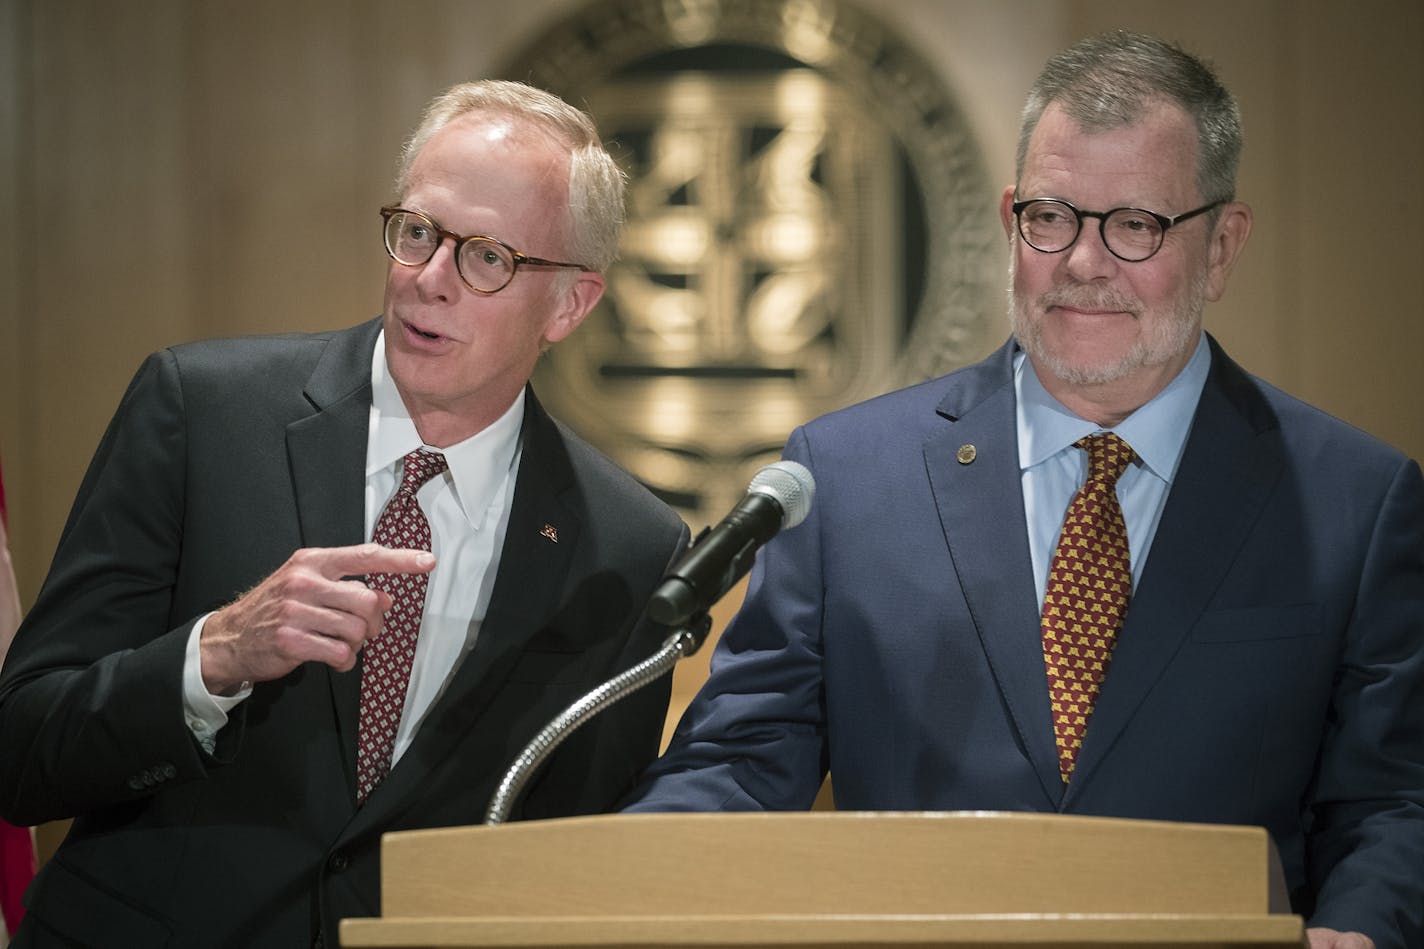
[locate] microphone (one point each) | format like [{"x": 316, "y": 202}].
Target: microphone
[{"x": 778, "y": 497}]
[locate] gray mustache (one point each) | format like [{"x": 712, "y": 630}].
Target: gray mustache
[{"x": 1087, "y": 298}]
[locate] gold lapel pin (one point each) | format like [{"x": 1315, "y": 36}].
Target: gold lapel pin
[{"x": 549, "y": 531}]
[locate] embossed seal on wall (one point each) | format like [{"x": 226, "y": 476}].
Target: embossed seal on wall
[{"x": 809, "y": 225}]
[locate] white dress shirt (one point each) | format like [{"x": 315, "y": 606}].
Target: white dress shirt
[{"x": 468, "y": 508}]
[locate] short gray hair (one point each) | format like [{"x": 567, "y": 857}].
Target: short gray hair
[
  {"x": 595, "y": 181},
  {"x": 1107, "y": 81}
]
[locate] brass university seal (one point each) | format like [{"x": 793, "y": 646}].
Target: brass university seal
[{"x": 809, "y": 224}]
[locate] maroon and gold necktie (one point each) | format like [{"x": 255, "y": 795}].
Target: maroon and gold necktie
[
  {"x": 386, "y": 660},
  {"x": 1089, "y": 585}
]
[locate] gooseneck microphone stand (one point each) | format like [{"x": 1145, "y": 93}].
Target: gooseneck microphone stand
[
  {"x": 679, "y": 645},
  {"x": 778, "y": 497}
]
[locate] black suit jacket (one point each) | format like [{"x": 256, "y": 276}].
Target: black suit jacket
[{"x": 224, "y": 458}]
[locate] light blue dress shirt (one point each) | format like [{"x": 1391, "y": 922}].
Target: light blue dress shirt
[{"x": 1052, "y": 470}]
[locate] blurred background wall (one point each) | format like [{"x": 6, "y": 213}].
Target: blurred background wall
[{"x": 175, "y": 169}]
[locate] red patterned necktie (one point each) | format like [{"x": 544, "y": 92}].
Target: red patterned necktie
[
  {"x": 386, "y": 660},
  {"x": 1089, "y": 585}
]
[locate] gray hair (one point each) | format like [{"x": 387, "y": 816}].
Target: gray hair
[
  {"x": 595, "y": 180},
  {"x": 1108, "y": 81}
]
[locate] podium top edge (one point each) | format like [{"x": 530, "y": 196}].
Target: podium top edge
[{"x": 990, "y": 818}]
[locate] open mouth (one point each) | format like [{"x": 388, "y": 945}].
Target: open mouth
[{"x": 425, "y": 334}]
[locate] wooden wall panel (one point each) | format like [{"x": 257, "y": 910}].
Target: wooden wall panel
[
  {"x": 290, "y": 242},
  {"x": 103, "y": 266},
  {"x": 1358, "y": 103}
]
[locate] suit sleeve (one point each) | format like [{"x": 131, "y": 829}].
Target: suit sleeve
[
  {"x": 91, "y": 696},
  {"x": 1366, "y": 847},
  {"x": 754, "y": 737}
]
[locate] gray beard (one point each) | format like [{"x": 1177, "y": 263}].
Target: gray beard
[{"x": 1171, "y": 337}]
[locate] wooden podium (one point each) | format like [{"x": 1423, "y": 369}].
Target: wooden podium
[{"x": 847, "y": 879}]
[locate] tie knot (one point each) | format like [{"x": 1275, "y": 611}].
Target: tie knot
[
  {"x": 420, "y": 466},
  {"x": 1108, "y": 456}
]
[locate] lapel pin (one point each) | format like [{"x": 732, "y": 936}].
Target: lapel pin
[
  {"x": 966, "y": 454},
  {"x": 549, "y": 531}
]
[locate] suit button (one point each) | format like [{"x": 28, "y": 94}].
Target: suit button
[
  {"x": 168, "y": 772},
  {"x": 337, "y": 862},
  {"x": 136, "y": 783}
]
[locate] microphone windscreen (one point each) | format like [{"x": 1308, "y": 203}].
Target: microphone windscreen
[{"x": 790, "y": 485}]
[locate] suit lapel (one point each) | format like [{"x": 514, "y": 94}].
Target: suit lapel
[
  {"x": 529, "y": 586},
  {"x": 1228, "y": 469},
  {"x": 544, "y": 532},
  {"x": 327, "y": 454},
  {"x": 327, "y": 449},
  {"x": 980, "y": 503}
]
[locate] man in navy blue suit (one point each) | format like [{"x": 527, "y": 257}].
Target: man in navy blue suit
[{"x": 1270, "y": 669}]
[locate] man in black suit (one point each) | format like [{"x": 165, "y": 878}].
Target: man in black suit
[{"x": 218, "y": 749}]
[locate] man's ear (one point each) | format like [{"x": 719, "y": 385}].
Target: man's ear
[
  {"x": 1006, "y": 211},
  {"x": 574, "y": 303},
  {"x": 1229, "y": 236}
]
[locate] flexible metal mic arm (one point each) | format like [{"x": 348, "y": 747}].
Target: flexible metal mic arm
[{"x": 679, "y": 645}]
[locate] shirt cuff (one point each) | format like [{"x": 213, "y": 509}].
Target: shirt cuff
[{"x": 205, "y": 713}]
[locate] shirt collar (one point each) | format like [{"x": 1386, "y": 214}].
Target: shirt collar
[
  {"x": 1157, "y": 431},
  {"x": 478, "y": 465}
]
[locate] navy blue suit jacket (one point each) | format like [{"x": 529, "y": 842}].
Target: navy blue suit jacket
[{"x": 1270, "y": 672}]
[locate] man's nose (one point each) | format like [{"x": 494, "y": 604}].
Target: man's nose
[
  {"x": 1088, "y": 257},
  {"x": 439, "y": 276}
]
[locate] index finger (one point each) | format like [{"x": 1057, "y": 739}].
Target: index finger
[{"x": 338, "y": 562}]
